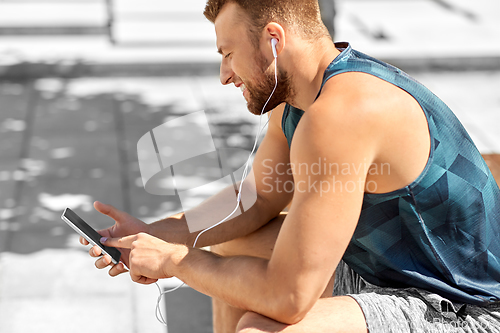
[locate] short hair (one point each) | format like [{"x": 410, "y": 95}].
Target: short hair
[{"x": 301, "y": 16}]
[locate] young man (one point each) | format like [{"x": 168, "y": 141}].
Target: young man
[{"x": 385, "y": 178}]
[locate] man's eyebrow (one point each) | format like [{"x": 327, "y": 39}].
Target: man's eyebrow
[{"x": 219, "y": 50}]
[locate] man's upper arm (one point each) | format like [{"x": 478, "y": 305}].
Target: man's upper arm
[
  {"x": 326, "y": 204},
  {"x": 271, "y": 167}
]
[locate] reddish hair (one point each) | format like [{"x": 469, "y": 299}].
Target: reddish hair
[{"x": 302, "y": 16}]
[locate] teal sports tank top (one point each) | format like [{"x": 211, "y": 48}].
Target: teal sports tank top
[{"x": 441, "y": 233}]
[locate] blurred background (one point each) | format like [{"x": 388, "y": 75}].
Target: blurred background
[{"x": 82, "y": 80}]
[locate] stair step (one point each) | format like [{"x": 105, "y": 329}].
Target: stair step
[
  {"x": 158, "y": 23},
  {"x": 51, "y": 14},
  {"x": 53, "y": 31},
  {"x": 158, "y": 6},
  {"x": 173, "y": 34}
]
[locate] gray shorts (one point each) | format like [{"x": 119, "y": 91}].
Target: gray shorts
[{"x": 392, "y": 310}]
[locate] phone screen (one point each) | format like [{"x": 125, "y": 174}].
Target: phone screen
[{"x": 86, "y": 231}]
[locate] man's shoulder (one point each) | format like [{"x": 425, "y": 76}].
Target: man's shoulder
[
  {"x": 356, "y": 109},
  {"x": 355, "y": 90},
  {"x": 336, "y": 127},
  {"x": 349, "y": 100},
  {"x": 361, "y": 100},
  {"x": 275, "y": 118}
]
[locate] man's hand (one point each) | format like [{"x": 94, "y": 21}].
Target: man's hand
[
  {"x": 150, "y": 257},
  {"x": 125, "y": 225}
]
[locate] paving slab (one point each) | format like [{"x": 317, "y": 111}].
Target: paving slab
[
  {"x": 73, "y": 145},
  {"x": 13, "y": 98},
  {"x": 65, "y": 155},
  {"x": 55, "y": 291},
  {"x": 145, "y": 103},
  {"x": 81, "y": 147}
]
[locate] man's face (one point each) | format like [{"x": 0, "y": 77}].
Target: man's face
[{"x": 246, "y": 66}]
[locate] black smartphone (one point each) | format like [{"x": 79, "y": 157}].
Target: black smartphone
[{"x": 87, "y": 232}]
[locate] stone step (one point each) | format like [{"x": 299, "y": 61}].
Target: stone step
[
  {"x": 158, "y": 23},
  {"x": 53, "y": 31},
  {"x": 24, "y": 14},
  {"x": 127, "y": 7},
  {"x": 198, "y": 33},
  {"x": 53, "y": 18}
]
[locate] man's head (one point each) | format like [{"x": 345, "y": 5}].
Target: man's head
[
  {"x": 301, "y": 16},
  {"x": 244, "y": 31}
]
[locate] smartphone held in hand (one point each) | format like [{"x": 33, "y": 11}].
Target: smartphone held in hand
[{"x": 87, "y": 232}]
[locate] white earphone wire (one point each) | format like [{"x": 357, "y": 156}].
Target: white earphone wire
[{"x": 159, "y": 315}]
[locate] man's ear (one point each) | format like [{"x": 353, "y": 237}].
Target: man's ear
[{"x": 272, "y": 31}]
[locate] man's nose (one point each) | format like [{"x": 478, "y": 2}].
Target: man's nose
[{"x": 226, "y": 73}]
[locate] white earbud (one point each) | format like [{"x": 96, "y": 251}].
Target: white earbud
[{"x": 273, "y": 45}]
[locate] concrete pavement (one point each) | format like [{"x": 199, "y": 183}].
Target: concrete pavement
[
  {"x": 68, "y": 143},
  {"x": 59, "y": 291}
]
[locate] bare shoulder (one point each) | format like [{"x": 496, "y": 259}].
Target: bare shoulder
[
  {"x": 365, "y": 99},
  {"x": 276, "y": 116},
  {"x": 368, "y": 106},
  {"x": 347, "y": 114},
  {"x": 358, "y": 113}
]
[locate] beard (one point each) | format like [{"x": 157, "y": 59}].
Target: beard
[{"x": 262, "y": 88}]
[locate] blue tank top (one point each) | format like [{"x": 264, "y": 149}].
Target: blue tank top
[{"x": 441, "y": 233}]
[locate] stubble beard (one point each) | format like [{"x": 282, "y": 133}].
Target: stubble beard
[{"x": 260, "y": 90}]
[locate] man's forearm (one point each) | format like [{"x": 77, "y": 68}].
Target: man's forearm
[
  {"x": 175, "y": 228},
  {"x": 241, "y": 281}
]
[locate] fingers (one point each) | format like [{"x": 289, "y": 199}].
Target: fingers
[
  {"x": 108, "y": 210},
  {"x": 83, "y": 241},
  {"x": 103, "y": 262},
  {"x": 117, "y": 269},
  {"x": 95, "y": 251},
  {"x": 142, "y": 279},
  {"x": 103, "y": 208},
  {"x": 104, "y": 232},
  {"x": 123, "y": 242}
]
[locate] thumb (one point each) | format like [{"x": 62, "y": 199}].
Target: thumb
[{"x": 122, "y": 242}]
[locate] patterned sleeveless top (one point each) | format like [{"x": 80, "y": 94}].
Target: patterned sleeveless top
[{"x": 441, "y": 233}]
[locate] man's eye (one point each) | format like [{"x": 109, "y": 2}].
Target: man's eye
[{"x": 227, "y": 55}]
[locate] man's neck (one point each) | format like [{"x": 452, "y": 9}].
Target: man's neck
[{"x": 307, "y": 64}]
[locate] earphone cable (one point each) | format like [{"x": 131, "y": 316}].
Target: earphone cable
[{"x": 159, "y": 315}]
